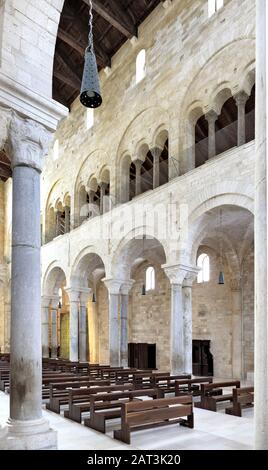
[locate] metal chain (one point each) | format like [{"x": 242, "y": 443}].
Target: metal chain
[{"x": 90, "y": 24}]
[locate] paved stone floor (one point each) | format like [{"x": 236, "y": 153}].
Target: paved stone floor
[{"x": 213, "y": 431}]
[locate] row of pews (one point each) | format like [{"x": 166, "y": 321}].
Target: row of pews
[{"x": 93, "y": 393}]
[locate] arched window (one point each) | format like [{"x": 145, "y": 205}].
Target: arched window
[
  {"x": 141, "y": 66},
  {"x": 56, "y": 149},
  {"x": 203, "y": 263},
  {"x": 150, "y": 279},
  {"x": 90, "y": 118},
  {"x": 213, "y": 6}
]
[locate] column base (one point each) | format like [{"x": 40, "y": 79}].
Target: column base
[{"x": 28, "y": 435}]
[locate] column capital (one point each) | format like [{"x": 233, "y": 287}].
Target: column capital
[
  {"x": 73, "y": 293},
  {"x": 84, "y": 295},
  {"x": 113, "y": 285},
  {"x": 5, "y": 118},
  {"x": 211, "y": 116},
  {"x": 156, "y": 152},
  {"x": 54, "y": 302},
  {"x": 241, "y": 98},
  {"x": 45, "y": 301},
  {"x": 27, "y": 142},
  {"x": 180, "y": 273},
  {"x": 127, "y": 286},
  {"x": 138, "y": 163}
]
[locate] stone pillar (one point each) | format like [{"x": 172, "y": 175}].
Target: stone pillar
[
  {"x": 241, "y": 100},
  {"x": 67, "y": 219},
  {"x": 138, "y": 165},
  {"x": 45, "y": 326},
  {"x": 27, "y": 429},
  {"x": 261, "y": 317},
  {"x": 73, "y": 323},
  {"x": 237, "y": 338},
  {"x": 113, "y": 287},
  {"x": 54, "y": 324},
  {"x": 83, "y": 325},
  {"x": 57, "y": 228},
  {"x": 103, "y": 187},
  {"x": 211, "y": 118},
  {"x": 156, "y": 153},
  {"x": 187, "y": 320},
  {"x": 124, "y": 323}
]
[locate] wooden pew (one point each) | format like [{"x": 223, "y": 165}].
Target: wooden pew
[
  {"x": 209, "y": 400},
  {"x": 151, "y": 413},
  {"x": 191, "y": 386},
  {"x": 242, "y": 398},
  {"x": 147, "y": 379},
  {"x": 59, "y": 392},
  {"x": 108, "y": 406},
  {"x": 79, "y": 400},
  {"x": 167, "y": 383}
]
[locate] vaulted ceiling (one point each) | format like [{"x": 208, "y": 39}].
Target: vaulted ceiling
[{"x": 114, "y": 22}]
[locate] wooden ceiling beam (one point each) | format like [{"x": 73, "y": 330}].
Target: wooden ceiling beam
[
  {"x": 118, "y": 18},
  {"x": 72, "y": 42},
  {"x": 75, "y": 84},
  {"x": 5, "y": 172},
  {"x": 66, "y": 63}
]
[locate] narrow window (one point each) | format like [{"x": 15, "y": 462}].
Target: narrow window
[
  {"x": 204, "y": 273},
  {"x": 213, "y": 6},
  {"x": 150, "y": 278},
  {"x": 90, "y": 118},
  {"x": 141, "y": 66}
]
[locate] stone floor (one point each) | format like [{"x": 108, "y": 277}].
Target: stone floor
[{"x": 213, "y": 431}]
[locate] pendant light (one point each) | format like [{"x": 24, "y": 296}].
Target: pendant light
[
  {"x": 221, "y": 275},
  {"x": 143, "y": 290},
  {"x": 93, "y": 298},
  {"x": 90, "y": 94}
]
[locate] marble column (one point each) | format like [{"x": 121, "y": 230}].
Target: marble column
[
  {"x": 237, "y": 338},
  {"x": 261, "y": 317},
  {"x": 187, "y": 320},
  {"x": 156, "y": 153},
  {"x": 73, "y": 323},
  {"x": 138, "y": 165},
  {"x": 27, "y": 429},
  {"x": 103, "y": 187},
  {"x": 211, "y": 118},
  {"x": 125, "y": 288},
  {"x": 45, "y": 325},
  {"x": 54, "y": 323},
  {"x": 113, "y": 287},
  {"x": 241, "y": 100},
  {"x": 83, "y": 324}
]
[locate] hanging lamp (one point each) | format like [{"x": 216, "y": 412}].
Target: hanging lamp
[
  {"x": 221, "y": 275},
  {"x": 90, "y": 94},
  {"x": 93, "y": 298}
]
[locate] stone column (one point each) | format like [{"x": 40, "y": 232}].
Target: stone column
[
  {"x": 27, "y": 429},
  {"x": 73, "y": 323},
  {"x": 156, "y": 153},
  {"x": 54, "y": 333},
  {"x": 237, "y": 339},
  {"x": 187, "y": 320},
  {"x": 103, "y": 187},
  {"x": 83, "y": 325},
  {"x": 261, "y": 317},
  {"x": 57, "y": 228},
  {"x": 45, "y": 326},
  {"x": 113, "y": 287},
  {"x": 211, "y": 118},
  {"x": 124, "y": 323},
  {"x": 241, "y": 100},
  {"x": 138, "y": 165},
  {"x": 67, "y": 219}
]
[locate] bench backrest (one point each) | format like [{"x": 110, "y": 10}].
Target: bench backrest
[
  {"x": 210, "y": 386},
  {"x": 98, "y": 389},
  {"x": 243, "y": 395}
]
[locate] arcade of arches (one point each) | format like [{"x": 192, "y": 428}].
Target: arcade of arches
[{"x": 152, "y": 220}]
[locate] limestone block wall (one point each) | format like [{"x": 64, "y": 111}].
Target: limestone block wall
[
  {"x": 212, "y": 316},
  {"x": 248, "y": 310},
  {"x": 149, "y": 315},
  {"x": 103, "y": 323}
]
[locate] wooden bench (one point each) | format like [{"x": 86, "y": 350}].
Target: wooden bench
[
  {"x": 190, "y": 386},
  {"x": 167, "y": 383},
  {"x": 242, "y": 398},
  {"x": 151, "y": 413},
  {"x": 79, "y": 400},
  {"x": 108, "y": 406},
  {"x": 59, "y": 392},
  {"x": 209, "y": 400},
  {"x": 147, "y": 379}
]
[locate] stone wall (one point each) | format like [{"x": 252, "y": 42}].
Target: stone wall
[
  {"x": 2, "y": 266},
  {"x": 103, "y": 323},
  {"x": 248, "y": 310},
  {"x": 149, "y": 315}
]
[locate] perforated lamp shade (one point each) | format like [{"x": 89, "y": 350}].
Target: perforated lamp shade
[
  {"x": 90, "y": 95},
  {"x": 221, "y": 278}
]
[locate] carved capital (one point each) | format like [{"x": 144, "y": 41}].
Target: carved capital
[
  {"x": 5, "y": 118},
  {"x": 211, "y": 117},
  {"x": 156, "y": 152},
  {"x": 84, "y": 296},
  {"x": 73, "y": 294},
  {"x": 127, "y": 286},
  {"x": 27, "y": 142},
  {"x": 180, "y": 273},
  {"x": 113, "y": 285},
  {"x": 241, "y": 98}
]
